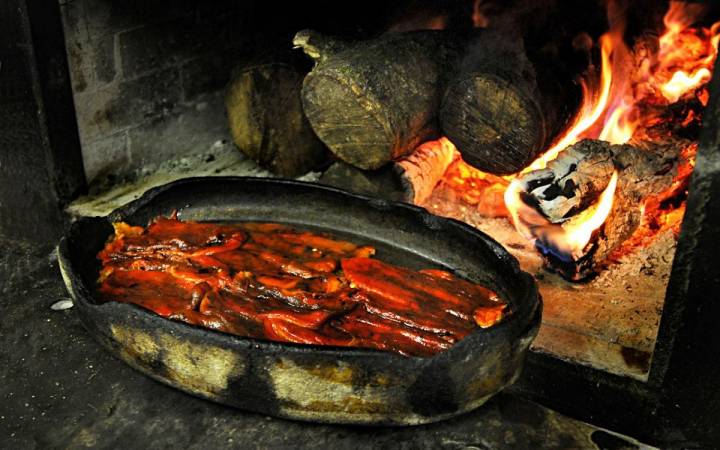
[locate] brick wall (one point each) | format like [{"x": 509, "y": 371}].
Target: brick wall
[{"x": 148, "y": 76}]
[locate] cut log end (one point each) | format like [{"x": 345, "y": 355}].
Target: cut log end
[
  {"x": 496, "y": 126},
  {"x": 375, "y": 101},
  {"x": 266, "y": 119}
]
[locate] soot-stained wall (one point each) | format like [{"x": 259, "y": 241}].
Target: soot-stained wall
[
  {"x": 147, "y": 75},
  {"x": 40, "y": 162}
]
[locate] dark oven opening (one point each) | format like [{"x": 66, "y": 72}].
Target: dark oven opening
[{"x": 581, "y": 137}]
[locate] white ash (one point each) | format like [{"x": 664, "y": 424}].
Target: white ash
[
  {"x": 572, "y": 181},
  {"x": 576, "y": 178},
  {"x": 62, "y": 305}
]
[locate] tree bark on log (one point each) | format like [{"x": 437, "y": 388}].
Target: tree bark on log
[
  {"x": 508, "y": 102},
  {"x": 374, "y": 101},
  {"x": 267, "y": 121}
]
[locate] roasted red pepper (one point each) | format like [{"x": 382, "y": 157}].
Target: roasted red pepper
[{"x": 269, "y": 281}]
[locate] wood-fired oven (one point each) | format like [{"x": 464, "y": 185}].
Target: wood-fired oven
[{"x": 103, "y": 100}]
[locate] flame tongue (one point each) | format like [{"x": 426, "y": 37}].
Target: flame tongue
[
  {"x": 566, "y": 241},
  {"x": 627, "y": 99},
  {"x": 579, "y": 230},
  {"x": 613, "y": 108},
  {"x": 680, "y": 81}
]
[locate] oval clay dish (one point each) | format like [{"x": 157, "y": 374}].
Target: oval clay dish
[{"x": 308, "y": 382}]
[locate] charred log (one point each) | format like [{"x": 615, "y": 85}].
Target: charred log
[
  {"x": 267, "y": 122},
  {"x": 375, "y": 101},
  {"x": 421, "y": 171},
  {"x": 575, "y": 180},
  {"x": 411, "y": 179}
]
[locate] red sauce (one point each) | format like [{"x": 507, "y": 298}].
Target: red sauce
[{"x": 270, "y": 281}]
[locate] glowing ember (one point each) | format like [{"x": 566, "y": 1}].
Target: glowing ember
[
  {"x": 617, "y": 107},
  {"x": 681, "y": 82},
  {"x": 686, "y": 54},
  {"x": 466, "y": 185},
  {"x": 479, "y": 19},
  {"x": 626, "y": 99}
]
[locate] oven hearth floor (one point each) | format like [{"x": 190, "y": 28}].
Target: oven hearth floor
[{"x": 59, "y": 389}]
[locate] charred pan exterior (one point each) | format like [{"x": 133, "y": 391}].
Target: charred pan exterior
[{"x": 306, "y": 382}]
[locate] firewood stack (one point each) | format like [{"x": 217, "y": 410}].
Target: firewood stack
[
  {"x": 500, "y": 102},
  {"x": 374, "y": 101},
  {"x": 508, "y": 102}
]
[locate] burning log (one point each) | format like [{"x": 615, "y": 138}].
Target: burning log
[
  {"x": 411, "y": 179},
  {"x": 508, "y": 102},
  {"x": 571, "y": 182},
  {"x": 375, "y": 101},
  {"x": 574, "y": 180},
  {"x": 566, "y": 189},
  {"x": 267, "y": 121}
]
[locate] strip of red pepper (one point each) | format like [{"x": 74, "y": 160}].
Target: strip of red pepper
[
  {"x": 409, "y": 293},
  {"x": 270, "y": 281}
]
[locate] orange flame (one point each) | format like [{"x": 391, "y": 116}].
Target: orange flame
[
  {"x": 591, "y": 109},
  {"x": 615, "y": 107},
  {"x": 479, "y": 19},
  {"x": 569, "y": 238},
  {"x": 579, "y": 230},
  {"x": 613, "y": 102},
  {"x": 681, "y": 82}
]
